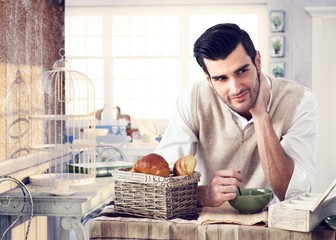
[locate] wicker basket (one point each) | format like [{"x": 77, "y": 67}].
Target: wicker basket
[{"x": 155, "y": 197}]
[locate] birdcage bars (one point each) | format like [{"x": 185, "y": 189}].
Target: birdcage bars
[
  {"x": 63, "y": 109},
  {"x": 18, "y": 123}
]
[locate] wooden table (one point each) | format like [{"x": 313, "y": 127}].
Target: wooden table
[
  {"x": 70, "y": 208},
  {"x": 111, "y": 226}
]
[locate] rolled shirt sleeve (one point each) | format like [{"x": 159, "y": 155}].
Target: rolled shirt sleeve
[
  {"x": 299, "y": 144},
  {"x": 179, "y": 139}
]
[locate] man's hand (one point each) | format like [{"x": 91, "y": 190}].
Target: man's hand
[
  {"x": 261, "y": 103},
  {"x": 222, "y": 188}
]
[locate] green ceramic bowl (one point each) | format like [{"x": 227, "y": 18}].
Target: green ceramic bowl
[
  {"x": 331, "y": 221},
  {"x": 252, "y": 200}
]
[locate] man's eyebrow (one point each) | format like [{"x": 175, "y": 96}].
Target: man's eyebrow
[
  {"x": 219, "y": 76},
  {"x": 236, "y": 71}
]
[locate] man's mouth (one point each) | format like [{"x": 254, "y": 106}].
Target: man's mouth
[{"x": 240, "y": 97}]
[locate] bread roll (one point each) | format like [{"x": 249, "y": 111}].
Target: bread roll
[
  {"x": 153, "y": 164},
  {"x": 185, "y": 166}
]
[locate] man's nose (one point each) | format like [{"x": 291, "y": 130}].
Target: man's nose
[{"x": 235, "y": 86}]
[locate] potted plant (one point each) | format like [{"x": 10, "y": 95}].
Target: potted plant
[
  {"x": 276, "y": 44},
  {"x": 278, "y": 72},
  {"x": 277, "y": 21}
]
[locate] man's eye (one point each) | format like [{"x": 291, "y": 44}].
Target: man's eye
[
  {"x": 220, "y": 78},
  {"x": 241, "y": 71}
]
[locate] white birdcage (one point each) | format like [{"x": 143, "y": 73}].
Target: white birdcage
[
  {"x": 17, "y": 120},
  {"x": 63, "y": 126}
]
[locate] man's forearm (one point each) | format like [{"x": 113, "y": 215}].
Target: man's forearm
[
  {"x": 202, "y": 196},
  {"x": 277, "y": 166}
]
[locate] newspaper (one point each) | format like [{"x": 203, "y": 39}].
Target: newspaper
[{"x": 227, "y": 214}]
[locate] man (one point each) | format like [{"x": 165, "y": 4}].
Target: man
[{"x": 245, "y": 128}]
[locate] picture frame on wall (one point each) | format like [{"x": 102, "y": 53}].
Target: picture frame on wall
[
  {"x": 277, "y": 21},
  {"x": 277, "y": 46},
  {"x": 277, "y": 69}
]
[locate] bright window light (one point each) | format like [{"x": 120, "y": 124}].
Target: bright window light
[{"x": 140, "y": 60}]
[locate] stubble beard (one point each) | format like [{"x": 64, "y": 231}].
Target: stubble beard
[{"x": 253, "y": 93}]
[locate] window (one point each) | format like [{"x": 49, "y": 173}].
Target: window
[{"x": 140, "y": 58}]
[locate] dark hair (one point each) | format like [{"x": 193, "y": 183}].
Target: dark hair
[{"x": 219, "y": 41}]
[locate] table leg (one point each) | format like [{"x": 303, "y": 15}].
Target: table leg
[{"x": 69, "y": 223}]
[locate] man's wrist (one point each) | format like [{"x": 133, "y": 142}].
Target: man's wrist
[
  {"x": 261, "y": 117},
  {"x": 202, "y": 196}
]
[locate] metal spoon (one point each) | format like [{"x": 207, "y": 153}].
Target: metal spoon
[{"x": 239, "y": 191}]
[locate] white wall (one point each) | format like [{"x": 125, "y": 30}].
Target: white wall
[{"x": 324, "y": 87}]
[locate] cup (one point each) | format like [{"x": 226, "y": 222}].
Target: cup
[{"x": 62, "y": 185}]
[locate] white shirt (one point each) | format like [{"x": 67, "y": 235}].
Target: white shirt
[{"x": 298, "y": 143}]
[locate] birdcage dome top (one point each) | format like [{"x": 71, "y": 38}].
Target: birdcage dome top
[{"x": 62, "y": 63}]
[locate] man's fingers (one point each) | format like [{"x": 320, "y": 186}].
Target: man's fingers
[
  {"x": 223, "y": 186},
  {"x": 229, "y": 173}
]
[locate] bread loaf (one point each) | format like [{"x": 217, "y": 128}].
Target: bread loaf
[{"x": 153, "y": 164}]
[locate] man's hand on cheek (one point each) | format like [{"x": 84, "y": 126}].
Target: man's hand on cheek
[{"x": 261, "y": 103}]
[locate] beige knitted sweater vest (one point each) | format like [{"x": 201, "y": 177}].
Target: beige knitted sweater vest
[{"x": 222, "y": 145}]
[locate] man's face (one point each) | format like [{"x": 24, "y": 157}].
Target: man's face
[{"x": 235, "y": 80}]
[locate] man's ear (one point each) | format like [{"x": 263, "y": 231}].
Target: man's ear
[{"x": 257, "y": 62}]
